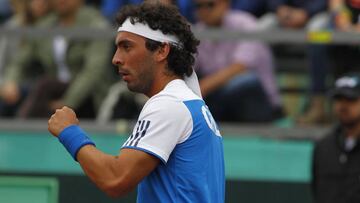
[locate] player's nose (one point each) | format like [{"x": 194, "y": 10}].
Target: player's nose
[{"x": 117, "y": 59}]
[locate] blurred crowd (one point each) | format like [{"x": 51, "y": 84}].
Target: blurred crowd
[{"x": 238, "y": 78}]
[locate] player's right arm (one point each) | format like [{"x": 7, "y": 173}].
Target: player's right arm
[{"x": 115, "y": 175}]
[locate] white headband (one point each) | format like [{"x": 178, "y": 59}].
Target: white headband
[{"x": 144, "y": 30}]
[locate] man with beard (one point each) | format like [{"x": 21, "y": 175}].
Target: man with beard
[
  {"x": 175, "y": 153},
  {"x": 336, "y": 158}
]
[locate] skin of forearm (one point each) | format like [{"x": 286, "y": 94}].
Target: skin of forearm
[
  {"x": 105, "y": 171},
  {"x": 218, "y": 79},
  {"x": 116, "y": 175}
]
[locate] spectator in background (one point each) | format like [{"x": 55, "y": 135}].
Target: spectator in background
[
  {"x": 295, "y": 14},
  {"x": 237, "y": 78},
  {"x": 345, "y": 14},
  {"x": 18, "y": 19},
  {"x": 302, "y": 14},
  {"x": 26, "y": 13},
  {"x": 186, "y": 7},
  {"x": 345, "y": 17},
  {"x": 255, "y": 7},
  {"x": 39, "y": 9},
  {"x": 74, "y": 69},
  {"x": 335, "y": 59},
  {"x": 109, "y": 8},
  {"x": 94, "y": 3},
  {"x": 5, "y": 10},
  {"x": 336, "y": 165}
]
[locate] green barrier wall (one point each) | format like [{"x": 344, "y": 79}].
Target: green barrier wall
[
  {"x": 28, "y": 190},
  {"x": 275, "y": 168},
  {"x": 247, "y": 157}
]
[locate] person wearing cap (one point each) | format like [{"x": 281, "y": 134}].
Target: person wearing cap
[
  {"x": 336, "y": 157},
  {"x": 175, "y": 153}
]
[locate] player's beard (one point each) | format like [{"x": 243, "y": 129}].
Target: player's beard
[{"x": 145, "y": 80}]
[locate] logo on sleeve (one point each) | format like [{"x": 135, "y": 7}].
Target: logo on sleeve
[
  {"x": 210, "y": 120},
  {"x": 141, "y": 129}
]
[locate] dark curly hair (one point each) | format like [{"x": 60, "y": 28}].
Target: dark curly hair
[{"x": 168, "y": 20}]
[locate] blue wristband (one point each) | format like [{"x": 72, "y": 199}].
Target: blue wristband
[{"x": 73, "y": 138}]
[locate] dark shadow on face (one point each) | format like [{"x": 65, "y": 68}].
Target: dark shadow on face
[{"x": 347, "y": 111}]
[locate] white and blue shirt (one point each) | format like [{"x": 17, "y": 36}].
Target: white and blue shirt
[{"x": 177, "y": 127}]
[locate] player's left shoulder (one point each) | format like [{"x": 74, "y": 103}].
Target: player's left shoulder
[
  {"x": 169, "y": 103},
  {"x": 165, "y": 107}
]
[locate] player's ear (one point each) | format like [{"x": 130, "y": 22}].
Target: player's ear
[{"x": 163, "y": 52}]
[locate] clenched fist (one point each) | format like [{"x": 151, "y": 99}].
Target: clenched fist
[{"x": 61, "y": 119}]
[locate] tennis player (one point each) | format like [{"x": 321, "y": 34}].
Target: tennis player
[{"x": 175, "y": 152}]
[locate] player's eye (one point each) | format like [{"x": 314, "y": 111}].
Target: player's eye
[{"x": 125, "y": 47}]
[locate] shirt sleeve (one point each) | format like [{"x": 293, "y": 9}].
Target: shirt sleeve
[{"x": 162, "y": 125}]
